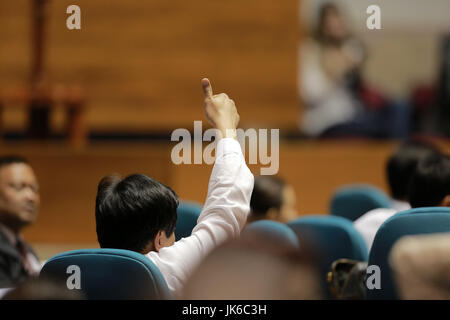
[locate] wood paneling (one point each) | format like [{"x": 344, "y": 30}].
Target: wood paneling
[
  {"x": 69, "y": 178},
  {"x": 68, "y": 182},
  {"x": 141, "y": 61}
]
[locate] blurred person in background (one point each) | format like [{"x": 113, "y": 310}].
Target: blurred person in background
[
  {"x": 19, "y": 206},
  {"x": 272, "y": 199},
  {"x": 42, "y": 289},
  {"x": 337, "y": 101},
  {"x": 400, "y": 168},
  {"x": 247, "y": 269},
  {"x": 421, "y": 266},
  {"x": 444, "y": 88}
]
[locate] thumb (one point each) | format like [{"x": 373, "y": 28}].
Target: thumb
[{"x": 207, "y": 89}]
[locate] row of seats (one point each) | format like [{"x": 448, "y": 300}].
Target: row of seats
[
  {"x": 109, "y": 273},
  {"x": 336, "y": 238}
]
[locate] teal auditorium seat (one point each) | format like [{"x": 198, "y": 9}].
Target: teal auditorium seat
[
  {"x": 333, "y": 237},
  {"x": 353, "y": 201},
  {"x": 273, "y": 232},
  {"x": 188, "y": 213},
  {"x": 109, "y": 274},
  {"x": 409, "y": 222}
]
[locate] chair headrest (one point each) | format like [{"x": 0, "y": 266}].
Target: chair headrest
[{"x": 109, "y": 274}]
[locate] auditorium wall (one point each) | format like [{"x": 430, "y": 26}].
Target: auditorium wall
[
  {"x": 69, "y": 178},
  {"x": 141, "y": 62}
]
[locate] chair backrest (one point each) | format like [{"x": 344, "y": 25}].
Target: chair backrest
[
  {"x": 108, "y": 274},
  {"x": 353, "y": 201},
  {"x": 188, "y": 213},
  {"x": 273, "y": 232},
  {"x": 410, "y": 222},
  {"x": 333, "y": 237}
]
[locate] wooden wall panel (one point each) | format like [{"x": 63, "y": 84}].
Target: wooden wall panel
[
  {"x": 68, "y": 182},
  {"x": 141, "y": 61},
  {"x": 69, "y": 178}
]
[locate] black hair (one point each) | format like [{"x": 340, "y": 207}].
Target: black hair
[
  {"x": 430, "y": 182},
  {"x": 267, "y": 194},
  {"x": 130, "y": 212},
  {"x": 402, "y": 163},
  {"x": 6, "y": 160}
]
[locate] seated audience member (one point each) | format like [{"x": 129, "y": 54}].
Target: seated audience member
[
  {"x": 337, "y": 100},
  {"x": 19, "y": 205},
  {"x": 421, "y": 266},
  {"x": 42, "y": 289},
  {"x": 399, "y": 170},
  {"x": 272, "y": 199},
  {"x": 251, "y": 270},
  {"x": 139, "y": 213}
]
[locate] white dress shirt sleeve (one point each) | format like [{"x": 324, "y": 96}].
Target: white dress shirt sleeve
[{"x": 222, "y": 218}]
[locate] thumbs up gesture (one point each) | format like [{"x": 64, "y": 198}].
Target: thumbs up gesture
[{"x": 220, "y": 111}]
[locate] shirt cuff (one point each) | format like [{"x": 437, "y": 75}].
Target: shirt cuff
[{"x": 227, "y": 145}]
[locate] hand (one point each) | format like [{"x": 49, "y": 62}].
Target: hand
[{"x": 220, "y": 111}]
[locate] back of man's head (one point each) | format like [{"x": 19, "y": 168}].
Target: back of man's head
[
  {"x": 130, "y": 212},
  {"x": 430, "y": 183},
  {"x": 402, "y": 163}
]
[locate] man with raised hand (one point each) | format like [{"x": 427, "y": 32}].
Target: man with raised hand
[{"x": 139, "y": 213}]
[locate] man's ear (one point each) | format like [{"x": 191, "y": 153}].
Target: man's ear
[
  {"x": 446, "y": 201},
  {"x": 272, "y": 214},
  {"x": 157, "y": 242}
]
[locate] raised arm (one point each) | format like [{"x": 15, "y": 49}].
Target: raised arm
[
  {"x": 231, "y": 184},
  {"x": 228, "y": 201}
]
